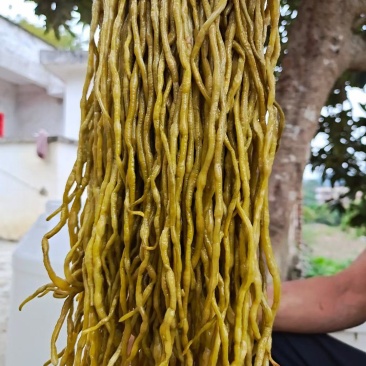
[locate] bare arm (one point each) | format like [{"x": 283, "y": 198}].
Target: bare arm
[{"x": 324, "y": 304}]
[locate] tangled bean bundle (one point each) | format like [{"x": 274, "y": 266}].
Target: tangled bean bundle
[{"x": 170, "y": 252}]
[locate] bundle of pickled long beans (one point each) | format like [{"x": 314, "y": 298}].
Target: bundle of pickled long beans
[{"x": 170, "y": 253}]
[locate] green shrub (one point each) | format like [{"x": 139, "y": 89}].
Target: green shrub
[
  {"x": 309, "y": 214},
  {"x": 355, "y": 217},
  {"x": 321, "y": 266},
  {"x": 324, "y": 215},
  {"x": 321, "y": 214}
]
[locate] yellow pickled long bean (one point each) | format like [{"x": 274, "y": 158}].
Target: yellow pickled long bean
[{"x": 170, "y": 253}]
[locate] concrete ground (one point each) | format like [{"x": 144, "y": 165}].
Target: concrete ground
[{"x": 6, "y": 250}]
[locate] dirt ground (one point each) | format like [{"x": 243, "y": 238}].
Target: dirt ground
[{"x": 333, "y": 243}]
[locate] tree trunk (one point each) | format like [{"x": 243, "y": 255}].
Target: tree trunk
[{"x": 321, "y": 47}]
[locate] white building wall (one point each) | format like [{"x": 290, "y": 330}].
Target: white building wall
[
  {"x": 7, "y": 104},
  {"x": 73, "y": 90},
  {"x": 21, "y": 43},
  {"x": 30, "y": 95},
  {"x": 71, "y": 68},
  {"x": 20, "y": 58},
  {"x": 37, "y": 110},
  {"x": 23, "y": 175},
  {"x": 63, "y": 157}
]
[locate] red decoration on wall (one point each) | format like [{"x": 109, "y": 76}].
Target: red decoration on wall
[{"x": 2, "y": 124}]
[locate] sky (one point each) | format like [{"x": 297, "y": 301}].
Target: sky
[{"x": 15, "y": 8}]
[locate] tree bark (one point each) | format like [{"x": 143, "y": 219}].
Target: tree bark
[{"x": 321, "y": 47}]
